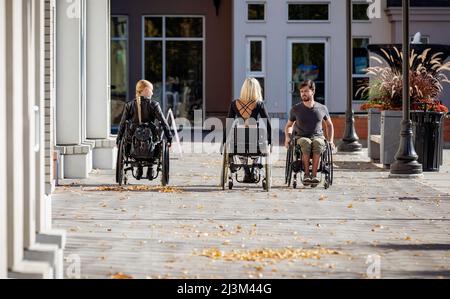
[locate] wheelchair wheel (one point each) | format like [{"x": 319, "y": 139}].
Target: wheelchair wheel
[
  {"x": 165, "y": 165},
  {"x": 328, "y": 167},
  {"x": 224, "y": 174},
  {"x": 288, "y": 170},
  {"x": 267, "y": 182},
  {"x": 120, "y": 164}
]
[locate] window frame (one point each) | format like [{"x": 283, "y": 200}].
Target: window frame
[
  {"x": 264, "y": 3},
  {"x": 259, "y": 74},
  {"x": 360, "y": 21},
  {"x": 125, "y": 39},
  {"x": 359, "y": 76},
  {"x": 293, "y": 2}
]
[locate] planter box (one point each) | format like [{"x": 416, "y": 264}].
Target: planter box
[
  {"x": 374, "y": 131},
  {"x": 390, "y": 136},
  {"x": 429, "y": 138}
]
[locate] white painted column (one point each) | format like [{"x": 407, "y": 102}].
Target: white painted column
[
  {"x": 98, "y": 84},
  {"x": 17, "y": 125},
  {"x": 70, "y": 126},
  {"x": 3, "y": 246},
  {"x": 39, "y": 215}
]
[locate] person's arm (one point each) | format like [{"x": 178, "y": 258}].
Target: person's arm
[
  {"x": 265, "y": 115},
  {"x": 288, "y": 129},
  {"x": 160, "y": 116},
  {"x": 330, "y": 128},
  {"x": 288, "y": 132},
  {"x": 330, "y": 131},
  {"x": 121, "y": 131}
]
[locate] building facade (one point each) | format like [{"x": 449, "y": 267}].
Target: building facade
[
  {"x": 279, "y": 42},
  {"x": 183, "y": 47},
  {"x": 285, "y": 42}
]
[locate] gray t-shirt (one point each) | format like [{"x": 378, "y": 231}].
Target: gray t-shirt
[{"x": 308, "y": 121}]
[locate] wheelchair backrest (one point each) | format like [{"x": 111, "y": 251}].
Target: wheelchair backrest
[{"x": 247, "y": 137}]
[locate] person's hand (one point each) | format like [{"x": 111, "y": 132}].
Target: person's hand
[
  {"x": 287, "y": 141},
  {"x": 169, "y": 142},
  {"x": 333, "y": 146}
]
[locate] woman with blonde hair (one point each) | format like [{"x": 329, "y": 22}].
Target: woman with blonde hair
[
  {"x": 249, "y": 106},
  {"x": 142, "y": 109}
]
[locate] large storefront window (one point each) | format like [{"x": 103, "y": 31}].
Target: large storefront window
[
  {"x": 173, "y": 62},
  {"x": 119, "y": 68}
]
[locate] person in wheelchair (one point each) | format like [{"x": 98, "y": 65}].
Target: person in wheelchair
[
  {"x": 143, "y": 110},
  {"x": 249, "y": 107},
  {"x": 305, "y": 122}
]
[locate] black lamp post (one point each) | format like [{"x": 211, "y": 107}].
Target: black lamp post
[
  {"x": 406, "y": 164},
  {"x": 350, "y": 141}
]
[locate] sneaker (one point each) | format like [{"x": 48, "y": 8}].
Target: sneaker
[
  {"x": 315, "y": 180},
  {"x": 306, "y": 181}
]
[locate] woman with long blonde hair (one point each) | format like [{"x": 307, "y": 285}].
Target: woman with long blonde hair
[
  {"x": 250, "y": 106},
  {"x": 142, "y": 109}
]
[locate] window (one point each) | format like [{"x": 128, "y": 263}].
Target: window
[
  {"x": 308, "y": 12},
  {"x": 119, "y": 68},
  {"x": 360, "y": 64},
  {"x": 256, "y": 11},
  {"x": 256, "y": 60},
  {"x": 360, "y": 11},
  {"x": 173, "y": 49}
]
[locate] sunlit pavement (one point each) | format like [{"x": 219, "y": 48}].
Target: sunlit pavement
[{"x": 365, "y": 226}]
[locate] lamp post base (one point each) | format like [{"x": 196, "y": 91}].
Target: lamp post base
[
  {"x": 350, "y": 147},
  {"x": 405, "y": 169}
]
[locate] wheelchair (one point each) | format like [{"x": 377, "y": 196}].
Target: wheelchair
[
  {"x": 246, "y": 143},
  {"x": 295, "y": 167},
  {"x": 156, "y": 153}
]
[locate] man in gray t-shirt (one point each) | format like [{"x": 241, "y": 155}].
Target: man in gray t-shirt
[{"x": 306, "y": 118}]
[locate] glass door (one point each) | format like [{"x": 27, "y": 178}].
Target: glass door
[{"x": 307, "y": 61}]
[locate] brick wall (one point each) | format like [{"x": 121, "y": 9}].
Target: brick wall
[
  {"x": 49, "y": 91},
  {"x": 361, "y": 125}
]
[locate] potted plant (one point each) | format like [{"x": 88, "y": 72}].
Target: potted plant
[{"x": 384, "y": 92}]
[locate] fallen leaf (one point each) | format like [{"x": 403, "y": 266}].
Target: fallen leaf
[{"x": 120, "y": 275}]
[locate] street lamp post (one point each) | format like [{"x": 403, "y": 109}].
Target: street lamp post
[
  {"x": 406, "y": 164},
  {"x": 350, "y": 141}
]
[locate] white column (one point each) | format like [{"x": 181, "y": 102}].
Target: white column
[
  {"x": 98, "y": 84},
  {"x": 3, "y": 247},
  {"x": 70, "y": 126},
  {"x": 17, "y": 17},
  {"x": 39, "y": 212}
]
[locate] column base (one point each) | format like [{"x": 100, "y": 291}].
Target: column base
[
  {"x": 104, "y": 154},
  {"x": 31, "y": 270},
  {"x": 75, "y": 162},
  {"x": 47, "y": 253}
]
